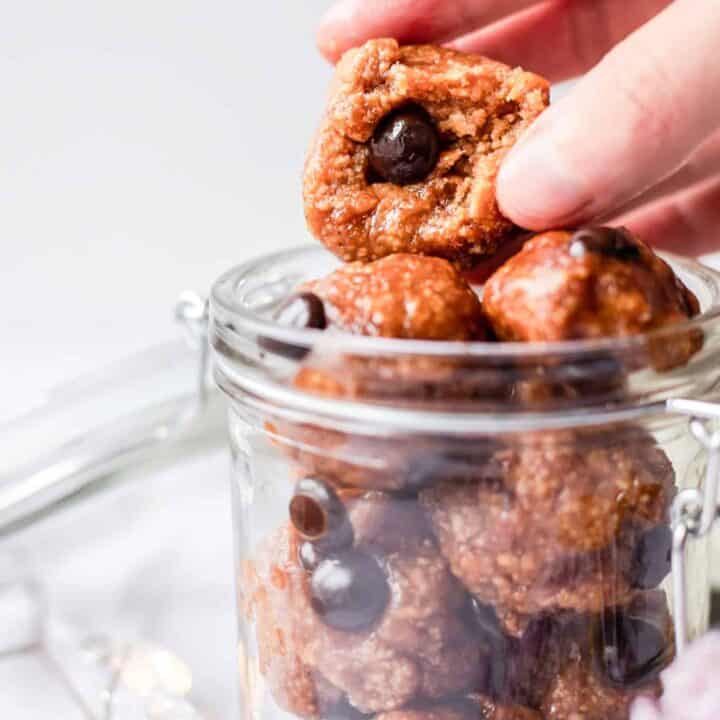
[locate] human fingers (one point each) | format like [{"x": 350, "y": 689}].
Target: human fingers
[
  {"x": 631, "y": 121},
  {"x": 702, "y": 165},
  {"x": 687, "y": 222},
  {"x": 351, "y": 22},
  {"x": 560, "y": 39}
]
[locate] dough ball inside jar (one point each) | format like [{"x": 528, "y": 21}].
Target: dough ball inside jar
[
  {"x": 409, "y": 148},
  {"x": 592, "y": 283},
  {"x": 611, "y": 660},
  {"x": 383, "y": 624},
  {"x": 595, "y": 665},
  {"x": 267, "y": 592},
  {"x": 558, "y": 521},
  {"x": 400, "y": 296}
]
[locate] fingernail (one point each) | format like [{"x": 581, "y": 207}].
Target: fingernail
[{"x": 537, "y": 186}]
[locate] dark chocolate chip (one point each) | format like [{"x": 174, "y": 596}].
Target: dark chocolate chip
[
  {"x": 303, "y": 310},
  {"x": 349, "y": 591},
  {"x": 611, "y": 242},
  {"x": 652, "y": 558},
  {"x": 629, "y": 651},
  {"x": 319, "y": 515},
  {"x": 405, "y": 146}
]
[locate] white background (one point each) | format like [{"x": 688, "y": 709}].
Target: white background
[{"x": 145, "y": 147}]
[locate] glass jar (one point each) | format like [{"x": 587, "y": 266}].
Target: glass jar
[{"x": 455, "y": 530}]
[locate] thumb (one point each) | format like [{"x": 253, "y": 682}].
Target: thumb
[{"x": 631, "y": 121}]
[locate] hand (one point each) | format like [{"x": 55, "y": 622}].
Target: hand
[{"x": 637, "y": 140}]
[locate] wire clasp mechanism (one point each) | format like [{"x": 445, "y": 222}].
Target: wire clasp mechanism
[{"x": 694, "y": 510}]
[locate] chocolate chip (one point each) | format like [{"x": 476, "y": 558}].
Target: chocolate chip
[
  {"x": 303, "y": 310},
  {"x": 611, "y": 242},
  {"x": 349, "y": 591},
  {"x": 405, "y": 146},
  {"x": 652, "y": 558},
  {"x": 629, "y": 651},
  {"x": 319, "y": 515}
]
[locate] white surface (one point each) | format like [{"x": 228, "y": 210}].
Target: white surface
[{"x": 150, "y": 559}]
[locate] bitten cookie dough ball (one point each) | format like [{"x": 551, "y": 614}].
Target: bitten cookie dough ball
[
  {"x": 558, "y": 522},
  {"x": 593, "y": 283},
  {"x": 406, "y": 157}
]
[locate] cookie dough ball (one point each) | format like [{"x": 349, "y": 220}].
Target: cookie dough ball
[
  {"x": 628, "y": 648},
  {"x": 557, "y": 522},
  {"x": 294, "y": 685},
  {"x": 383, "y": 625},
  {"x": 401, "y": 296},
  {"x": 578, "y": 692},
  {"x": 594, "y": 283},
  {"x": 592, "y": 667},
  {"x": 407, "y": 154}
]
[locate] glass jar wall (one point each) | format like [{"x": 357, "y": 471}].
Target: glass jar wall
[{"x": 456, "y": 530}]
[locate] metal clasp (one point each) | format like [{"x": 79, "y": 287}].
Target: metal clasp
[{"x": 694, "y": 510}]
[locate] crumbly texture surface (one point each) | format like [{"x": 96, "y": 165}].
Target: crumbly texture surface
[
  {"x": 551, "y": 524},
  {"x": 548, "y": 293},
  {"x": 480, "y": 108},
  {"x": 268, "y": 593},
  {"x": 420, "y": 649},
  {"x": 577, "y": 693},
  {"x": 555, "y": 668},
  {"x": 401, "y": 296}
]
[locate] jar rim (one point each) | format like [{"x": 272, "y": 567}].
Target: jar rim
[
  {"x": 224, "y": 298},
  {"x": 243, "y": 299}
]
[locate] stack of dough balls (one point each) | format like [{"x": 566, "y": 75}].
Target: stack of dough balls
[{"x": 431, "y": 577}]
